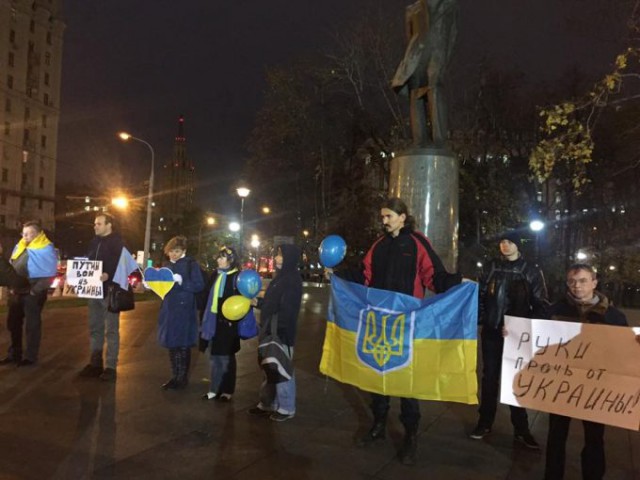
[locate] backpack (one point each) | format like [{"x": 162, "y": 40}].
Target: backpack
[{"x": 273, "y": 356}]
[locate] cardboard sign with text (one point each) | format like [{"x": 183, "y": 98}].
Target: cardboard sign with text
[
  {"x": 83, "y": 279},
  {"x": 579, "y": 370}
]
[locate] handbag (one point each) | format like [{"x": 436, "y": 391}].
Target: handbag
[
  {"x": 247, "y": 326},
  {"x": 273, "y": 356},
  {"x": 119, "y": 300}
]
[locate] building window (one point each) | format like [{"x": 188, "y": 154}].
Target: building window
[
  {"x": 46, "y": 79},
  {"x": 32, "y": 26},
  {"x": 7, "y": 105},
  {"x": 46, "y": 99},
  {"x": 11, "y": 60},
  {"x": 39, "y": 204},
  {"x": 47, "y": 58},
  {"x": 48, "y": 38},
  {"x": 43, "y": 141},
  {"x": 12, "y": 36},
  {"x": 5, "y": 174},
  {"x": 7, "y": 128},
  {"x": 10, "y": 81},
  {"x": 3, "y": 220},
  {"x": 44, "y": 121},
  {"x": 41, "y": 183},
  {"x": 3, "y": 198},
  {"x": 24, "y": 179}
]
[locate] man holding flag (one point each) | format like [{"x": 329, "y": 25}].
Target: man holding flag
[
  {"x": 35, "y": 261},
  {"x": 403, "y": 261},
  {"x": 117, "y": 263}
]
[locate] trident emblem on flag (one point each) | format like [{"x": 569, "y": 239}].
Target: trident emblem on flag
[{"x": 384, "y": 343}]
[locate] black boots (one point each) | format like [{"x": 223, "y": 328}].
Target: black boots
[
  {"x": 407, "y": 452},
  {"x": 378, "y": 432},
  {"x": 94, "y": 368},
  {"x": 180, "y": 362}
]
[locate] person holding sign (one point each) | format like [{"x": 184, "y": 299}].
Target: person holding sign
[
  {"x": 177, "y": 323},
  {"x": 509, "y": 286},
  {"x": 218, "y": 332},
  {"x": 402, "y": 260},
  {"x": 107, "y": 246},
  {"x": 35, "y": 260},
  {"x": 585, "y": 305}
]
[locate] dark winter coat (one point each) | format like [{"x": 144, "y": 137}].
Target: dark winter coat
[
  {"x": 178, "y": 320},
  {"x": 226, "y": 340},
  {"x": 406, "y": 264},
  {"x": 570, "y": 310},
  {"x": 511, "y": 288},
  {"x": 107, "y": 249},
  {"x": 283, "y": 297}
]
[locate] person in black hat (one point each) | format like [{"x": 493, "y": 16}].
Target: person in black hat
[{"x": 508, "y": 286}]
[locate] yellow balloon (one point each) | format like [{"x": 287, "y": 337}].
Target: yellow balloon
[{"x": 236, "y": 307}]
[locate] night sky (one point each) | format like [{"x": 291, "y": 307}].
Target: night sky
[{"x": 136, "y": 65}]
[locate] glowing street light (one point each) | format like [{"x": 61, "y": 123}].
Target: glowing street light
[
  {"x": 266, "y": 210},
  {"x": 120, "y": 202},
  {"x": 536, "y": 225},
  {"x": 147, "y": 231},
  {"x": 234, "y": 227}
]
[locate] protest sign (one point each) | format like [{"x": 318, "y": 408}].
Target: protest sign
[
  {"x": 579, "y": 370},
  {"x": 83, "y": 278}
]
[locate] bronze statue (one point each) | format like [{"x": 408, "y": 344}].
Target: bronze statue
[{"x": 431, "y": 32}]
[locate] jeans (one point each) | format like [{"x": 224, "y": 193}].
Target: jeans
[
  {"x": 592, "y": 456},
  {"x": 25, "y": 309},
  {"x": 492, "y": 347},
  {"x": 223, "y": 374},
  {"x": 279, "y": 397},
  {"x": 103, "y": 323}
]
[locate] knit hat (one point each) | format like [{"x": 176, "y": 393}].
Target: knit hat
[{"x": 513, "y": 236}]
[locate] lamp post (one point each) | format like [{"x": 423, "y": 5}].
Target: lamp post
[
  {"x": 147, "y": 231},
  {"x": 243, "y": 192},
  {"x": 536, "y": 226},
  {"x": 255, "y": 243},
  {"x": 210, "y": 221}
]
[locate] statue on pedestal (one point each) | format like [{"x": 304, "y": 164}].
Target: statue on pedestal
[{"x": 431, "y": 32}]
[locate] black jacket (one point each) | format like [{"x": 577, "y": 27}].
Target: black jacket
[
  {"x": 511, "y": 288},
  {"x": 108, "y": 249},
  {"x": 283, "y": 297},
  {"x": 570, "y": 310},
  {"x": 10, "y": 278}
]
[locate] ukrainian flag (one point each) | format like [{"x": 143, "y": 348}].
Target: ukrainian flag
[
  {"x": 394, "y": 344},
  {"x": 42, "y": 261}
]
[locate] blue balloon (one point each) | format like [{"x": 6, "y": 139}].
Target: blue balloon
[
  {"x": 332, "y": 250},
  {"x": 249, "y": 283}
]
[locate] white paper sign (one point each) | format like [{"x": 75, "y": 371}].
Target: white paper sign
[
  {"x": 585, "y": 371},
  {"x": 83, "y": 278}
]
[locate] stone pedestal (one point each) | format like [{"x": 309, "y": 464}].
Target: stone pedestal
[{"x": 427, "y": 180}]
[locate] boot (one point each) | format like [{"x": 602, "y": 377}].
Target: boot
[
  {"x": 182, "y": 370},
  {"x": 407, "y": 453},
  {"x": 378, "y": 432},
  {"x": 172, "y": 384},
  {"x": 95, "y": 368}
]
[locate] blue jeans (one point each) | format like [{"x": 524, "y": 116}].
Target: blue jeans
[
  {"x": 279, "y": 397},
  {"x": 223, "y": 374},
  {"x": 103, "y": 323}
]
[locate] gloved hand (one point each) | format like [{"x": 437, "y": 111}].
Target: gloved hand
[{"x": 177, "y": 278}]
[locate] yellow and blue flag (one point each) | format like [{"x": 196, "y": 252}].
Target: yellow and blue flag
[
  {"x": 126, "y": 265},
  {"x": 42, "y": 261},
  {"x": 395, "y": 344}
]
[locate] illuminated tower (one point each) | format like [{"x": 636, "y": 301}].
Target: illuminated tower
[{"x": 178, "y": 190}]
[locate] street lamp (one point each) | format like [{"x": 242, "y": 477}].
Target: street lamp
[
  {"x": 147, "y": 231},
  {"x": 234, "y": 227},
  {"x": 537, "y": 226},
  {"x": 266, "y": 210},
  {"x": 120, "y": 202},
  {"x": 243, "y": 192},
  {"x": 210, "y": 222},
  {"x": 255, "y": 243}
]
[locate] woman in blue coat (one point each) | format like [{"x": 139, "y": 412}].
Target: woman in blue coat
[{"x": 177, "y": 323}]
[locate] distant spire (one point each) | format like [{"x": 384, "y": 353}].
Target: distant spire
[{"x": 180, "y": 136}]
